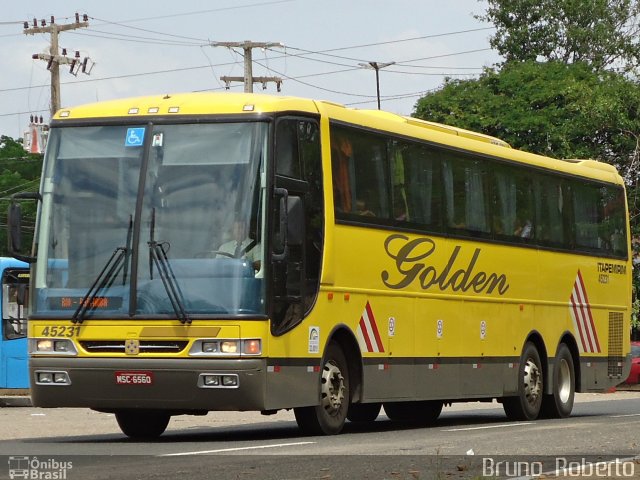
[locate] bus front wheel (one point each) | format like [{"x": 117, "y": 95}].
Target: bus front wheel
[
  {"x": 560, "y": 403},
  {"x": 329, "y": 417},
  {"x": 527, "y": 405},
  {"x": 142, "y": 423}
]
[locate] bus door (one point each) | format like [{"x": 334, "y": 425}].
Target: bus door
[
  {"x": 298, "y": 182},
  {"x": 13, "y": 341}
]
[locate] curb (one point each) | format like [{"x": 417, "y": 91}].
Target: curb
[{"x": 15, "y": 399}]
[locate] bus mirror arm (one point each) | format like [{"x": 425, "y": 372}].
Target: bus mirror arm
[
  {"x": 14, "y": 224},
  {"x": 281, "y": 250}
]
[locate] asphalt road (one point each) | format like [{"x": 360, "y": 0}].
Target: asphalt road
[{"x": 468, "y": 441}]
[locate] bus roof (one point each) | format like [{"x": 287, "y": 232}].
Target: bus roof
[
  {"x": 203, "y": 103},
  {"x": 200, "y": 103}
]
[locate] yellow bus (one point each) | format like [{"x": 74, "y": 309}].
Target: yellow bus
[{"x": 203, "y": 252}]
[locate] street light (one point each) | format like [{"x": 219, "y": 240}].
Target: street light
[{"x": 376, "y": 66}]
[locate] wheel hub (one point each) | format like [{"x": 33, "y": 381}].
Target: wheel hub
[
  {"x": 332, "y": 388},
  {"x": 532, "y": 382}
]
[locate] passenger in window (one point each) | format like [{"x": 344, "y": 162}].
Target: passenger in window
[
  {"x": 524, "y": 228},
  {"x": 400, "y": 209},
  {"x": 361, "y": 209}
]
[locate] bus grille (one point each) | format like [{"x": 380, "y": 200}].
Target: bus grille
[
  {"x": 615, "y": 359},
  {"x": 146, "y": 346}
]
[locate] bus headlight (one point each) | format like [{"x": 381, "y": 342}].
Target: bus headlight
[
  {"x": 226, "y": 347},
  {"x": 210, "y": 347},
  {"x": 52, "y": 346},
  {"x": 229, "y": 346}
]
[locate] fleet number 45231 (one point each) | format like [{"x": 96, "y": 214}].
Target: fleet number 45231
[{"x": 60, "y": 331}]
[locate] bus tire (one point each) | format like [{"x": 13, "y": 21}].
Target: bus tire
[
  {"x": 419, "y": 413},
  {"x": 560, "y": 403},
  {"x": 142, "y": 423},
  {"x": 329, "y": 417},
  {"x": 527, "y": 404},
  {"x": 363, "y": 412}
]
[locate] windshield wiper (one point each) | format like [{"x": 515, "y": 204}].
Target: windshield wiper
[
  {"x": 118, "y": 261},
  {"x": 158, "y": 256},
  {"x": 103, "y": 280}
]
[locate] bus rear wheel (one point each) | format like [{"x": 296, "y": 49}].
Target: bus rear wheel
[
  {"x": 560, "y": 403},
  {"x": 418, "y": 413},
  {"x": 527, "y": 405},
  {"x": 329, "y": 417},
  {"x": 144, "y": 424}
]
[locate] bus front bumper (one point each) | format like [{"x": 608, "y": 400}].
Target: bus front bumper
[{"x": 179, "y": 385}]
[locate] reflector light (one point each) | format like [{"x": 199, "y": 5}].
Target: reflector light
[
  {"x": 218, "y": 380},
  {"x": 252, "y": 347}
]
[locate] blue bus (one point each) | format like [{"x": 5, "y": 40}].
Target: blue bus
[{"x": 14, "y": 372}]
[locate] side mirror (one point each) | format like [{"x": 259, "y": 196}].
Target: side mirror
[
  {"x": 295, "y": 223},
  {"x": 290, "y": 224},
  {"x": 14, "y": 225},
  {"x": 280, "y": 245}
]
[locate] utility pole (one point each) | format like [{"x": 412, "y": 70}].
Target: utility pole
[
  {"x": 248, "y": 78},
  {"x": 376, "y": 66},
  {"x": 53, "y": 59}
]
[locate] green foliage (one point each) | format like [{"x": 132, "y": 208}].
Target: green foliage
[
  {"x": 600, "y": 33},
  {"x": 19, "y": 172}
]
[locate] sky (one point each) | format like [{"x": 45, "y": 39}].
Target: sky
[{"x": 160, "y": 47}]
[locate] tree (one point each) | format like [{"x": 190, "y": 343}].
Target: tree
[
  {"x": 19, "y": 172},
  {"x": 600, "y": 33}
]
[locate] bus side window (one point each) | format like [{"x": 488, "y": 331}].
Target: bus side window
[
  {"x": 512, "y": 204},
  {"x": 360, "y": 174},
  {"x": 342, "y": 164},
  {"x": 417, "y": 186},
  {"x": 467, "y": 205},
  {"x": 549, "y": 211}
]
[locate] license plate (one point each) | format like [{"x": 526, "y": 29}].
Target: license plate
[{"x": 134, "y": 378}]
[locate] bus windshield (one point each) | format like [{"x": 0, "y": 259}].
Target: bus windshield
[{"x": 147, "y": 217}]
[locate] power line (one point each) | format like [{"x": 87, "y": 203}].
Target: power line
[
  {"x": 173, "y": 70},
  {"x": 388, "y": 42},
  {"x": 199, "y": 12},
  {"x": 135, "y": 39}
]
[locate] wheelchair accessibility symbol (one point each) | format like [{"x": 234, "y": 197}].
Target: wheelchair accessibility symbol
[{"x": 135, "y": 137}]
